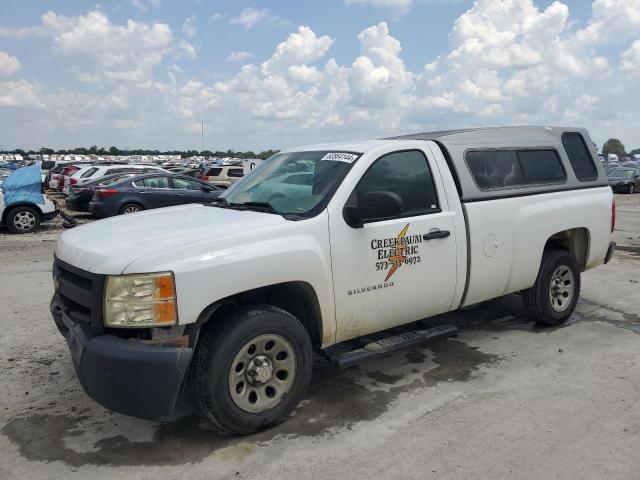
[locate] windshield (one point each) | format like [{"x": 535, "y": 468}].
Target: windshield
[
  {"x": 619, "y": 173},
  {"x": 292, "y": 183}
]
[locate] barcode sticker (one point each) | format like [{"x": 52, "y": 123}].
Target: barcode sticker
[{"x": 340, "y": 157}]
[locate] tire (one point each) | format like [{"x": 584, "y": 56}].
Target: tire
[
  {"x": 225, "y": 380},
  {"x": 546, "y": 301},
  {"x": 130, "y": 208},
  {"x": 632, "y": 189},
  {"x": 23, "y": 219}
]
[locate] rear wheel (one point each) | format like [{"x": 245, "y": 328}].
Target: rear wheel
[
  {"x": 130, "y": 208},
  {"x": 554, "y": 296},
  {"x": 23, "y": 219},
  {"x": 251, "y": 369}
]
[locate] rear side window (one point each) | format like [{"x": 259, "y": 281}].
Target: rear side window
[
  {"x": 155, "y": 182},
  {"x": 541, "y": 166},
  {"x": 495, "y": 169},
  {"x": 406, "y": 174},
  {"x": 235, "y": 172},
  {"x": 89, "y": 172},
  {"x": 579, "y": 156},
  {"x": 214, "y": 172}
]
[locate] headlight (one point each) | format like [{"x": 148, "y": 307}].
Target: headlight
[{"x": 147, "y": 300}]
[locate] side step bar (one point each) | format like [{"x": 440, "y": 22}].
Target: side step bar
[{"x": 347, "y": 354}]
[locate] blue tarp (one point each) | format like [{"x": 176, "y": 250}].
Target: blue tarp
[{"x": 23, "y": 185}]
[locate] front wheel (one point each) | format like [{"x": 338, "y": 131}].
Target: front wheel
[
  {"x": 23, "y": 220},
  {"x": 554, "y": 296},
  {"x": 130, "y": 208},
  {"x": 251, "y": 369},
  {"x": 632, "y": 189}
]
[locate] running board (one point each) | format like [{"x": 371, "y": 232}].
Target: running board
[{"x": 347, "y": 354}]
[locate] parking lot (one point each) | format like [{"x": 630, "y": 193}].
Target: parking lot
[{"x": 503, "y": 399}]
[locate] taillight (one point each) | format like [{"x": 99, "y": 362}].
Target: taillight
[
  {"x": 73, "y": 181},
  {"x": 106, "y": 192},
  {"x": 204, "y": 178},
  {"x": 613, "y": 215}
]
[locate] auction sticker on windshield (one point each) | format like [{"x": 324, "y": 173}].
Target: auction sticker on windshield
[{"x": 340, "y": 157}]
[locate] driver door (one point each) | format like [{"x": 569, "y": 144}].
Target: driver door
[{"x": 392, "y": 271}]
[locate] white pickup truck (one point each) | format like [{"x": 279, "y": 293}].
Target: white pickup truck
[{"x": 321, "y": 249}]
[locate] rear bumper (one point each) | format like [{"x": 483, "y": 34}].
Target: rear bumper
[
  {"x": 124, "y": 375},
  {"x": 46, "y": 217},
  {"x": 610, "y": 250}
]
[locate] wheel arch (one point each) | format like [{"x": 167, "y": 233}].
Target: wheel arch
[
  {"x": 296, "y": 297},
  {"x": 575, "y": 240},
  {"x": 8, "y": 208}
]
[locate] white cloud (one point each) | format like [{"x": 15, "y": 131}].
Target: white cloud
[
  {"x": 630, "y": 59},
  {"x": 301, "y": 47},
  {"x": 237, "y": 57},
  {"x": 9, "y": 64},
  {"x": 18, "y": 94},
  {"x": 189, "y": 27},
  {"x": 249, "y": 17}
]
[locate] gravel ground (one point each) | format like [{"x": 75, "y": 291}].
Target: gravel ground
[{"x": 503, "y": 400}]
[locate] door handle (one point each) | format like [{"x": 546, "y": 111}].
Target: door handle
[{"x": 436, "y": 233}]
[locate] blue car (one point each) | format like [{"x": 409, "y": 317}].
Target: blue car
[{"x": 144, "y": 192}]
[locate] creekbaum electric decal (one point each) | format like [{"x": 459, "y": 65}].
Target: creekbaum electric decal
[{"x": 392, "y": 253}]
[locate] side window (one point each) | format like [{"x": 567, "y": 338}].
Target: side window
[
  {"x": 89, "y": 172},
  {"x": 214, "y": 172},
  {"x": 182, "y": 184},
  {"x": 541, "y": 166},
  {"x": 156, "y": 182},
  {"x": 579, "y": 156},
  {"x": 406, "y": 174},
  {"x": 495, "y": 168},
  {"x": 235, "y": 172}
]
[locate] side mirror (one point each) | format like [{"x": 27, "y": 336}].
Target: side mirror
[{"x": 373, "y": 206}]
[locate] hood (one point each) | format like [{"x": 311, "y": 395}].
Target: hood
[{"x": 108, "y": 246}]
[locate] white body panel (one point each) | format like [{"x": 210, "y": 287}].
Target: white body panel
[
  {"x": 371, "y": 294},
  {"x": 518, "y": 228},
  {"x": 47, "y": 207}
]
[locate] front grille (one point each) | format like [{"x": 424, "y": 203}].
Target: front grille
[{"x": 80, "y": 293}]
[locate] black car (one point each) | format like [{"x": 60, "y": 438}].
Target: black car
[
  {"x": 144, "y": 192},
  {"x": 624, "y": 179},
  {"x": 80, "y": 196}
]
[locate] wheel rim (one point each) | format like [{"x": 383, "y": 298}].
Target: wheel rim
[
  {"x": 262, "y": 373},
  {"x": 24, "y": 221},
  {"x": 131, "y": 209},
  {"x": 562, "y": 288},
  {"x": 631, "y": 189}
]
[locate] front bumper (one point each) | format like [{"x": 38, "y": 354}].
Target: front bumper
[
  {"x": 46, "y": 217},
  {"x": 124, "y": 375}
]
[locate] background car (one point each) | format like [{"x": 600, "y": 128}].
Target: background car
[
  {"x": 624, "y": 179},
  {"x": 149, "y": 191},
  {"x": 80, "y": 196},
  {"x": 221, "y": 176},
  {"x": 89, "y": 173}
]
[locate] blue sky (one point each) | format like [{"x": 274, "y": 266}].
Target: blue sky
[{"x": 283, "y": 73}]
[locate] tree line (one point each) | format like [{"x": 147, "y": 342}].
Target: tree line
[
  {"x": 95, "y": 150},
  {"x": 614, "y": 145}
]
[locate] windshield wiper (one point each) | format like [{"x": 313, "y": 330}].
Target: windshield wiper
[
  {"x": 260, "y": 206},
  {"x": 220, "y": 202}
]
